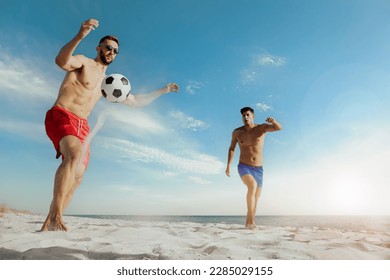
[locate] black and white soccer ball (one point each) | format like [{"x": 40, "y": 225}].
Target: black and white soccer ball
[{"x": 115, "y": 88}]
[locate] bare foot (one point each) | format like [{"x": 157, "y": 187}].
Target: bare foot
[
  {"x": 57, "y": 226},
  {"x": 251, "y": 226},
  {"x": 250, "y": 221},
  {"x": 54, "y": 223}
]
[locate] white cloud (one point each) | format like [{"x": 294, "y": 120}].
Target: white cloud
[
  {"x": 194, "y": 86},
  {"x": 249, "y": 76},
  {"x": 185, "y": 161},
  {"x": 188, "y": 122},
  {"x": 252, "y": 74},
  {"x": 263, "y": 107},
  {"x": 25, "y": 128},
  {"x": 270, "y": 60},
  {"x": 168, "y": 174},
  {"x": 24, "y": 78},
  {"x": 132, "y": 120},
  {"x": 199, "y": 181}
]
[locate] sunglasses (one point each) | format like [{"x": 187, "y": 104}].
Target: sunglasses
[{"x": 111, "y": 48}]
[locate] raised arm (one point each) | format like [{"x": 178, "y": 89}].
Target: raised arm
[
  {"x": 140, "y": 100},
  {"x": 65, "y": 58},
  {"x": 274, "y": 125},
  {"x": 232, "y": 147}
]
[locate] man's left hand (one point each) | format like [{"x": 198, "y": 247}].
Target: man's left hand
[{"x": 171, "y": 87}]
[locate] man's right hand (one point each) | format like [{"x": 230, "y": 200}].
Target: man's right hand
[{"x": 87, "y": 26}]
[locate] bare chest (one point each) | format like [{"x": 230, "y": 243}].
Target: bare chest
[
  {"x": 90, "y": 77},
  {"x": 252, "y": 138}
]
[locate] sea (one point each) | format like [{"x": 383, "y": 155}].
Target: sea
[{"x": 354, "y": 223}]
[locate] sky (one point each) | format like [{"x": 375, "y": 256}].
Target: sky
[{"x": 321, "y": 68}]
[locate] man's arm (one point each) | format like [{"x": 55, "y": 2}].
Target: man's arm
[
  {"x": 273, "y": 126},
  {"x": 140, "y": 100},
  {"x": 65, "y": 58},
  {"x": 232, "y": 147}
]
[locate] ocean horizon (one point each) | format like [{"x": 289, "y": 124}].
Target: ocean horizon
[{"x": 341, "y": 222}]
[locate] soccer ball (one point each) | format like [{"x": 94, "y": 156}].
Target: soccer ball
[{"x": 115, "y": 88}]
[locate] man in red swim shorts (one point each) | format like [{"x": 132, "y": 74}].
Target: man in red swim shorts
[
  {"x": 60, "y": 122},
  {"x": 66, "y": 122}
]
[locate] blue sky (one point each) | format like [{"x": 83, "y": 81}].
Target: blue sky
[{"x": 319, "y": 67}]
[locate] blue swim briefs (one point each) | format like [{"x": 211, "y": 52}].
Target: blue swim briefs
[{"x": 255, "y": 171}]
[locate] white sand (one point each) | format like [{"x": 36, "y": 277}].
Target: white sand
[{"x": 119, "y": 239}]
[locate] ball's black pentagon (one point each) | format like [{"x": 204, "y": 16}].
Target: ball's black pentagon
[
  {"x": 109, "y": 80},
  {"x": 117, "y": 93},
  {"x": 124, "y": 81},
  {"x": 104, "y": 93}
]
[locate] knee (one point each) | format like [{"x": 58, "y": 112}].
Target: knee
[
  {"x": 73, "y": 157},
  {"x": 78, "y": 179},
  {"x": 79, "y": 173},
  {"x": 258, "y": 192},
  {"x": 252, "y": 189}
]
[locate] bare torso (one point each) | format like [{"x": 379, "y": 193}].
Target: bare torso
[
  {"x": 80, "y": 90},
  {"x": 251, "y": 142}
]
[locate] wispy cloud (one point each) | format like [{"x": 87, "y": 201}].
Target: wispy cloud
[
  {"x": 27, "y": 129},
  {"x": 199, "y": 180},
  {"x": 263, "y": 107},
  {"x": 188, "y": 122},
  {"x": 184, "y": 161},
  {"x": 193, "y": 86},
  {"x": 249, "y": 76},
  {"x": 270, "y": 60},
  {"x": 252, "y": 74},
  {"x": 24, "y": 78},
  {"x": 134, "y": 121}
]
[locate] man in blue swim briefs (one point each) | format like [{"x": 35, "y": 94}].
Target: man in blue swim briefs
[{"x": 250, "y": 138}]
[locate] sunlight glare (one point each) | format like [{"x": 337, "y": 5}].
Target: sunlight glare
[{"x": 350, "y": 196}]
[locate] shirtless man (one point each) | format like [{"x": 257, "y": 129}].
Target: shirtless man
[
  {"x": 250, "y": 138},
  {"x": 66, "y": 122}
]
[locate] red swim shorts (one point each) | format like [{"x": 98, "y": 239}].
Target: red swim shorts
[{"x": 60, "y": 122}]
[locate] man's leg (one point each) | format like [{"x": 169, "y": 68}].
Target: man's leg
[
  {"x": 257, "y": 196},
  {"x": 65, "y": 179},
  {"x": 77, "y": 181},
  {"x": 253, "y": 194}
]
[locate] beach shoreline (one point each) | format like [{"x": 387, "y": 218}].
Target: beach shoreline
[{"x": 114, "y": 239}]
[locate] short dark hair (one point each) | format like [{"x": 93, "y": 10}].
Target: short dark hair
[
  {"x": 109, "y": 37},
  {"x": 243, "y": 110}
]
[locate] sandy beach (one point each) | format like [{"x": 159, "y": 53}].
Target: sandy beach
[{"x": 105, "y": 239}]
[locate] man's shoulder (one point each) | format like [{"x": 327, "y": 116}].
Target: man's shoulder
[
  {"x": 261, "y": 125},
  {"x": 239, "y": 129},
  {"x": 242, "y": 128},
  {"x": 83, "y": 58}
]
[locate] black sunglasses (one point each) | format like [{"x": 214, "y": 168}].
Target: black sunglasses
[{"x": 110, "y": 48}]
